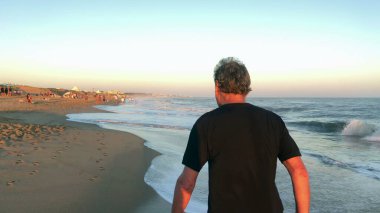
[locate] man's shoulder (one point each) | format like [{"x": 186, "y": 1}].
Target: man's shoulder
[
  {"x": 270, "y": 116},
  {"x": 207, "y": 117},
  {"x": 267, "y": 112},
  {"x": 249, "y": 108}
]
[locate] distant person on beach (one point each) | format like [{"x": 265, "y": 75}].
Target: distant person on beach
[
  {"x": 97, "y": 98},
  {"x": 28, "y": 98},
  {"x": 241, "y": 143}
]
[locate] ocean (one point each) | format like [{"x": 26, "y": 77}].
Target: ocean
[{"x": 339, "y": 139}]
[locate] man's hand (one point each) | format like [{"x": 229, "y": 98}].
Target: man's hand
[
  {"x": 183, "y": 189},
  {"x": 300, "y": 180}
]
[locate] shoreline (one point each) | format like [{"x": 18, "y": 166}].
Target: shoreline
[{"x": 73, "y": 166}]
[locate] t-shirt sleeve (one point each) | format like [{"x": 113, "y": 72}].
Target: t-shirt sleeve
[
  {"x": 196, "y": 154},
  {"x": 288, "y": 147}
]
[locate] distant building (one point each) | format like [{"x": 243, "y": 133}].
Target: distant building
[
  {"x": 75, "y": 88},
  {"x": 114, "y": 92}
]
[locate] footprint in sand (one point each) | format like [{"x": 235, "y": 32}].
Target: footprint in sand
[
  {"x": 92, "y": 179},
  {"x": 101, "y": 168},
  {"x": 19, "y": 162},
  {"x": 11, "y": 182},
  {"x": 33, "y": 172},
  {"x": 36, "y": 163},
  {"x": 54, "y": 157},
  {"x": 105, "y": 154},
  {"x": 20, "y": 154},
  {"x": 36, "y": 148},
  {"x": 99, "y": 160}
]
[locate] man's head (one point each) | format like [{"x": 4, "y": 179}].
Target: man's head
[{"x": 232, "y": 81}]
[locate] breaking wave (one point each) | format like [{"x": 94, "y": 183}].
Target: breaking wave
[
  {"x": 318, "y": 126},
  {"x": 358, "y": 128},
  {"x": 354, "y": 127}
]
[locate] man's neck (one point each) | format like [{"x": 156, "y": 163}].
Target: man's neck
[{"x": 230, "y": 98}]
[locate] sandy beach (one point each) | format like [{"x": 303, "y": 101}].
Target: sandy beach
[{"x": 49, "y": 164}]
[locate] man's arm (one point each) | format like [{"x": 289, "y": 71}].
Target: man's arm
[
  {"x": 183, "y": 189},
  {"x": 300, "y": 180}
]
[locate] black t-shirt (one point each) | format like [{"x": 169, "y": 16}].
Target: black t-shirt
[{"x": 241, "y": 143}]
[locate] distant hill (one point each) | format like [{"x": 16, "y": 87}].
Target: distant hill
[{"x": 32, "y": 90}]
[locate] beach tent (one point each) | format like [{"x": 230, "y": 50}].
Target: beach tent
[
  {"x": 75, "y": 88},
  {"x": 67, "y": 94}
]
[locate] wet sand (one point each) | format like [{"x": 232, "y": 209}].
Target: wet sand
[{"x": 49, "y": 164}]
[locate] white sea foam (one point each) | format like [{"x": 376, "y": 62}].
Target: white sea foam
[
  {"x": 374, "y": 137},
  {"x": 358, "y": 128},
  {"x": 165, "y": 169}
]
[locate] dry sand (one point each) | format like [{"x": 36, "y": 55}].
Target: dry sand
[
  {"x": 56, "y": 105},
  {"x": 48, "y": 164}
]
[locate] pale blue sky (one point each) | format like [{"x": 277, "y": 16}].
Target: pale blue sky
[{"x": 291, "y": 48}]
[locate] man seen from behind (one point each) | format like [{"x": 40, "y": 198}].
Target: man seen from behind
[{"x": 241, "y": 143}]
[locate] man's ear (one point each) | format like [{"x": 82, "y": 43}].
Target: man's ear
[{"x": 217, "y": 86}]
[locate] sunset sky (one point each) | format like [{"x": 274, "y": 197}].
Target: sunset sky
[{"x": 291, "y": 48}]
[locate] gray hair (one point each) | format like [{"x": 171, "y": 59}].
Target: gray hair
[{"x": 231, "y": 76}]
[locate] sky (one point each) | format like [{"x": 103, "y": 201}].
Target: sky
[{"x": 291, "y": 48}]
